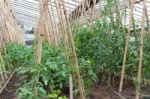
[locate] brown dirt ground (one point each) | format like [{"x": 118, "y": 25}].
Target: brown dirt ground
[
  {"x": 105, "y": 92},
  {"x": 10, "y": 90},
  {"x": 99, "y": 91},
  {"x": 102, "y": 92}
]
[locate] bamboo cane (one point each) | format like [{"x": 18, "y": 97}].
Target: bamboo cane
[
  {"x": 10, "y": 33},
  {"x": 49, "y": 27},
  {"x": 85, "y": 12},
  {"x": 40, "y": 35},
  {"x": 119, "y": 14},
  {"x": 92, "y": 14},
  {"x": 147, "y": 19},
  {"x": 126, "y": 48},
  {"x": 63, "y": 28},
  {"x": 40, "y": 31},
  {"x": 11, "y": 30},
  {"x": 1, "y": 71},
  {"x": 80, "y": 85},
  {"x": 141, "y": 52},
  {"x": 53, "y": 27},
  {"x": 48, "y": 31},
  {"x": 3, "y": 66},
  {"x": 54, "y": 24}
]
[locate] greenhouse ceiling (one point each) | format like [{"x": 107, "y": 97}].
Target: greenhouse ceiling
[{"x": 27, "y": 11}]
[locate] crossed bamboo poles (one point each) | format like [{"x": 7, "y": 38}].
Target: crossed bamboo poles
[
  {"x": 65, "y": 27},
  {"x": 10, "y": 32},
  {"x": 46, "y": 30},
  {"x": 139, "y": 77}
]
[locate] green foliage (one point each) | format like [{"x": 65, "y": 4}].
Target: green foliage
[
  {"x": 43, "y": 81},
  {"x": 55, "y": 67},
  {"x": 18, "y": 55},
  {"x": 104, "y": 46},
  {"x": 99, "y": 50},
  {"x": 52, "y": 73},
  {"x": 146, "y": 62},
  {"x": 87, "y": 72},
  {"x": 56, "y": 95},
  {"x": 27, "y": 91}
]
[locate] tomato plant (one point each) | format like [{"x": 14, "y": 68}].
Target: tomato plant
[{"x": 53, "y": 71}]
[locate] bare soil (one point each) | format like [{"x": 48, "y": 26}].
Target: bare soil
[
  {"x": 105, "y": 92},
  {"x": 10, "y": 90},
  {"x": 102, "y": 92},
  {"x": 99, "y": 91}
]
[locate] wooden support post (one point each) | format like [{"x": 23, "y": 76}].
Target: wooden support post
[{"x": 71, "y": 86}]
